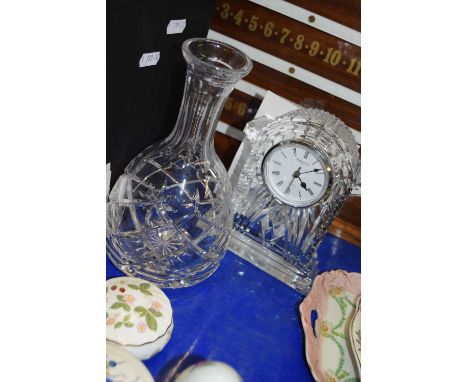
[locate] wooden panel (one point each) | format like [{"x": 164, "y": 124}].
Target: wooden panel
[
  {"x": 290, "y": 40},
  {"x": 226, "y": 148},
  {"x": 346, "y": 231},
  {"x": 300, "y": 93},
  {"x": 346, "y": 12},
  {"x": 239, "y": 109},
  {"x": 351, "y": 211}
]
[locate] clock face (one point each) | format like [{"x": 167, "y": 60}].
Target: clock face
[{"x": 295, "y": 174}]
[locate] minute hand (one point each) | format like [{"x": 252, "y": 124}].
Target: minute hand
[
  {"x": 289, "y": 186},
  {"x": 314, "y": 170}
]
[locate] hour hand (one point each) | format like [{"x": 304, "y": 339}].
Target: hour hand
[{"x": 303, "y": 184}]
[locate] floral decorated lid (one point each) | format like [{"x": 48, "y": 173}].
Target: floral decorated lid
[{"x": 138, "y": 312}]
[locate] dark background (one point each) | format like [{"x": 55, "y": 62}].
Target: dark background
[{"x": 143, "y": 103}]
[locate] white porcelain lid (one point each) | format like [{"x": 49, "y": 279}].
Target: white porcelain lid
[
  {"x": 138, "y": 312},
  {"x": 121, "y": 366}
]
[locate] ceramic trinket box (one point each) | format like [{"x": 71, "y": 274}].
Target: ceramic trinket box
[
  {"x": 138, "y": 316},
  {"x": 121, "y": 366}
]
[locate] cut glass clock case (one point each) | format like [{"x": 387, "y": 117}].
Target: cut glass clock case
[{"x": 291, "y": 177}]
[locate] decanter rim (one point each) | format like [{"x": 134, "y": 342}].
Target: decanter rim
[{"x": 227, "y": 70}]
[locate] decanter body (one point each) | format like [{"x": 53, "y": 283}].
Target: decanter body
[{"x": 169, "y": 215}]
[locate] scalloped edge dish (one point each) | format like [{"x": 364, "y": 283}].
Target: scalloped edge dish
[
  {"x": 329, "y": 354},
  {"x": 355, "y": 333}
]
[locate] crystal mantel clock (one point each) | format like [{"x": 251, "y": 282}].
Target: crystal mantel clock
[{"x": 291, "y": 177}]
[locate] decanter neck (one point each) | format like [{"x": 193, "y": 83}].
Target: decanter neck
[
  {"x": 213, "y": 68},
  {"x": 202, "y": 104}
]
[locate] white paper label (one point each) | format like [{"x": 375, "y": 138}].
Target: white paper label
[
  {"x": 149, "y": 59},
  {"x": 176, "y": 26}
]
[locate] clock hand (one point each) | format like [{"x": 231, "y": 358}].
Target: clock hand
[
  {"x": 289, "y": 186},
  {"x": 314, "y": 170},
  {"x": 294, "y": 176},
  {"x": 303, "y": 184}
]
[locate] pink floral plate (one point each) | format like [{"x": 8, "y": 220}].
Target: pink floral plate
[{"x": 328, "y": 350}]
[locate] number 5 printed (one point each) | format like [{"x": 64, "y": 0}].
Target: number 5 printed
[{"x": 253, "y": 23}]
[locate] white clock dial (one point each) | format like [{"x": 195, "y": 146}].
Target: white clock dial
[{"x": 295, "y": 174}]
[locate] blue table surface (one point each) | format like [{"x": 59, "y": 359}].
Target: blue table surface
[{"x": 244, "y": 317}]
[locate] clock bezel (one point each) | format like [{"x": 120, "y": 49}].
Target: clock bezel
[{"x": 323, "y": 161}]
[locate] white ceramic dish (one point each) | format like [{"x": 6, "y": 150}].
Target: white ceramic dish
[
  {"x": 121, "y": 366},
  {"x": 138, "y": 316},
  {"x": 329, "y": 355}
]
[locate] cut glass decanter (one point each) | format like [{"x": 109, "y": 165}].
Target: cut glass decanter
[{"x": 169, "y": 215}]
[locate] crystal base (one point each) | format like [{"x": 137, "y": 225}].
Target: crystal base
[{"x": 270, "y": 262}]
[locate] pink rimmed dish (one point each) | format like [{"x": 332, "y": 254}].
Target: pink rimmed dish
[
  {"x": 355, "y": 333},
  {"x": 328, "y": 349}
]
